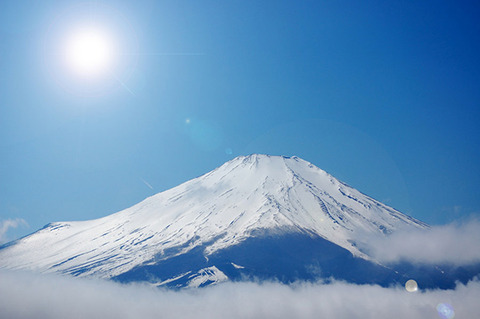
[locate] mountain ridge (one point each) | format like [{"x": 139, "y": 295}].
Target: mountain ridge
[{"x": 240, "y": 199}]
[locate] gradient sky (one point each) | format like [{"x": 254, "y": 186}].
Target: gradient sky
[{"x": 384, "y": 95}]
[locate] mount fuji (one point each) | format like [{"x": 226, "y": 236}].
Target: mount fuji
[{"x": 255, "y": 217}]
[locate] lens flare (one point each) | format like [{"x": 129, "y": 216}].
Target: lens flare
[
  {"x": 445, "y": 311},
  {"x": 411, "y": 285}
]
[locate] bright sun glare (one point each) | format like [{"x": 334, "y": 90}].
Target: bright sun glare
[{"x": 89, "y": 52}]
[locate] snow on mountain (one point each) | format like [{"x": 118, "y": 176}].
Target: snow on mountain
[{"x": 240, "y": 199}]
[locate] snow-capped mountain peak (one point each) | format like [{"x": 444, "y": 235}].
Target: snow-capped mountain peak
[{"x": 243, "y": 198}]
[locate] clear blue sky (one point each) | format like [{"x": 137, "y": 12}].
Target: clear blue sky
[{"x": 384, "y": 95}]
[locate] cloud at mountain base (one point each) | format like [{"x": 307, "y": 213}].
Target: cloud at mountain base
[
  {"x": 457, "y": 244},
  {"x": 26, "y": 295},
  {"x": 7, "y": 224}
]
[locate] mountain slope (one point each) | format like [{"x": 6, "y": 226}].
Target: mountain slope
[{"x": 248, "y": 197}]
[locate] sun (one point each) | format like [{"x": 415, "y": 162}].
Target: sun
[
  {"x": 89, "y": 52},
  {"x": 90, "y": 49}
]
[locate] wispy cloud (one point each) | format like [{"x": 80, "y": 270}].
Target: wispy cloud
[
  {"x": 27, "y": 295},
  {"x": 8, "y": 224},
  {"x": 457, "y": 244},
  {"x": 146, "y": 183}
]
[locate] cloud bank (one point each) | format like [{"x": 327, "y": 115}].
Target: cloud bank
[
  {"x": 26, "y": 295},
  {"x": 457, "y": 244},
  {"x": 7, "y": 224}
]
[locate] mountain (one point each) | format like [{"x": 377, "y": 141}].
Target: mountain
[{"x": 255, "y": 217}]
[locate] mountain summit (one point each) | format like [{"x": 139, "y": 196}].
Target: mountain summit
[{"x": 255, "y": 216}]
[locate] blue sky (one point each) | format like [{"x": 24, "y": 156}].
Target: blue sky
[{"x": 383, "y": 95}]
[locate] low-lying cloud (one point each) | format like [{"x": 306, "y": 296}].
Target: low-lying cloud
[
  {"x": 25, "y": 295},
  {"x": 7, "y": 224},
  {"x": 457, "y": 244}
]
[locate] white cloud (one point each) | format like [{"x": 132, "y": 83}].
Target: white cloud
[
  {"x": 456, "y": 244},
  {"x": 27, "y": 295},
  {"x": 7, "y": 224}
]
